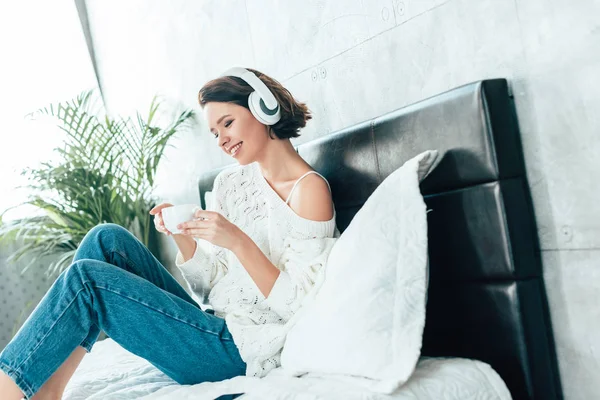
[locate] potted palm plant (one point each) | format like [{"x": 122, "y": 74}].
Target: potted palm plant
[{"x": 104, "y": 173}]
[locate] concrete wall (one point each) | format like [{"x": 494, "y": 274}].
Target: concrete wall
[
  {"x": 19, "y": 292},
  {"x": 353, "y": 60}
]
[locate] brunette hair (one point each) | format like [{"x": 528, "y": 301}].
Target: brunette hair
[{"x": 231, "y": 89}]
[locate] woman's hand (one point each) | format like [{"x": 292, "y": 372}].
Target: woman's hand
[
  {"x": 159, "y": 224},
  {"x": 215, "y": 228}
]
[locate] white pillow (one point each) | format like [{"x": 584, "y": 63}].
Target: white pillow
[{"x": 365, "y": 321}]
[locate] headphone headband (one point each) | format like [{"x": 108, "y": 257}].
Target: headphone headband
[{"x": 256, "y": 84}]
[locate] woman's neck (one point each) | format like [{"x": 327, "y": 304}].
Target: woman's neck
[{"x": 281, "y": 163}]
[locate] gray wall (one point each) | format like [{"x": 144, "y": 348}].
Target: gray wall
[
  {"x": 355, "y": 60},
  {"x": 19, "y": 292}
]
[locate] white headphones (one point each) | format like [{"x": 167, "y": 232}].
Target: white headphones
[{"x": 263, "y": 105}]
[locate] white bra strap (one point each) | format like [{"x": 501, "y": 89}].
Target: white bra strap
[{"x": 295, "y": 184}]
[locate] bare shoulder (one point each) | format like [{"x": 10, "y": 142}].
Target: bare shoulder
[{"x": 312, "y": 199}]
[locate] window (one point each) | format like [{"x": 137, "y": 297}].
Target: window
[{"x": 44, "y": 60}]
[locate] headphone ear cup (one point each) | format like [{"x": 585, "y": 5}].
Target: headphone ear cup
[
  {"x": 254, "y": 101},
  {"x": 255, "y": 108}
]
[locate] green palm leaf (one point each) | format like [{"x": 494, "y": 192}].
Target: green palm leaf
[{"x": 104, "y": 173}]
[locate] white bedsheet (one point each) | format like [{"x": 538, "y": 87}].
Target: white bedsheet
[{"x": 110, "y": 372}]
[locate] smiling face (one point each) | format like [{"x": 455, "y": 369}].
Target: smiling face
[{"x": 236, "y": 131}]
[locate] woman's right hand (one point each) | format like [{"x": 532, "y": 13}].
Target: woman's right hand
[{"x": 159, "y": 224}]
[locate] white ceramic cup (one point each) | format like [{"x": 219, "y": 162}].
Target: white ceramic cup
[{"x": 174, "y": 215}]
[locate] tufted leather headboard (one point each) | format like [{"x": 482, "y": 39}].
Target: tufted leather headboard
[{"x": 486, "y": 297}]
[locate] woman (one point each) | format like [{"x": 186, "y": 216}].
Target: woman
[{"x": 259, "y": 256}]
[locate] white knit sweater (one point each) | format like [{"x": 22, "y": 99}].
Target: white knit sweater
[{"x": 299, "y": 247}]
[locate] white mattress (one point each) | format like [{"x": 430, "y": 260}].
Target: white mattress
[{"x": 111, "y": 372}]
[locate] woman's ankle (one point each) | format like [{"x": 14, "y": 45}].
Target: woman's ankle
[{"x": 8, "y": 388}]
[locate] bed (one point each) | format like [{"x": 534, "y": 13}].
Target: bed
[{"x": 488, "y": 331}]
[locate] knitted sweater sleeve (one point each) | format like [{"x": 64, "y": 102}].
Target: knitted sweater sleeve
[
  {"x": 209, "y": 262},
  {"x": 302, "y": 268}
]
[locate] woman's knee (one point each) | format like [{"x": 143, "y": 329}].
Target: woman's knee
[
  {"x": 109, "y": 233},
  {"x": 108, "y": 229},
  {"x": 102, "y": 240}
]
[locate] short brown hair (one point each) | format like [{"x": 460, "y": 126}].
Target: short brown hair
[{"x": 231, "y": 89}]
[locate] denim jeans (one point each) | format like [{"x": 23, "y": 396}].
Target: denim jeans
[{"x": 117, "y": 285}]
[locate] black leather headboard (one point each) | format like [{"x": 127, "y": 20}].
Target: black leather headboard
[{"x": 486, "y": 297}]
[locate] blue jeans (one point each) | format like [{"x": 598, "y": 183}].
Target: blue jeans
[{"x": 117, "y": 285}]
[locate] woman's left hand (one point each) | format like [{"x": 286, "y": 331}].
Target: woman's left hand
[{"x": 215, "y": 228}]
